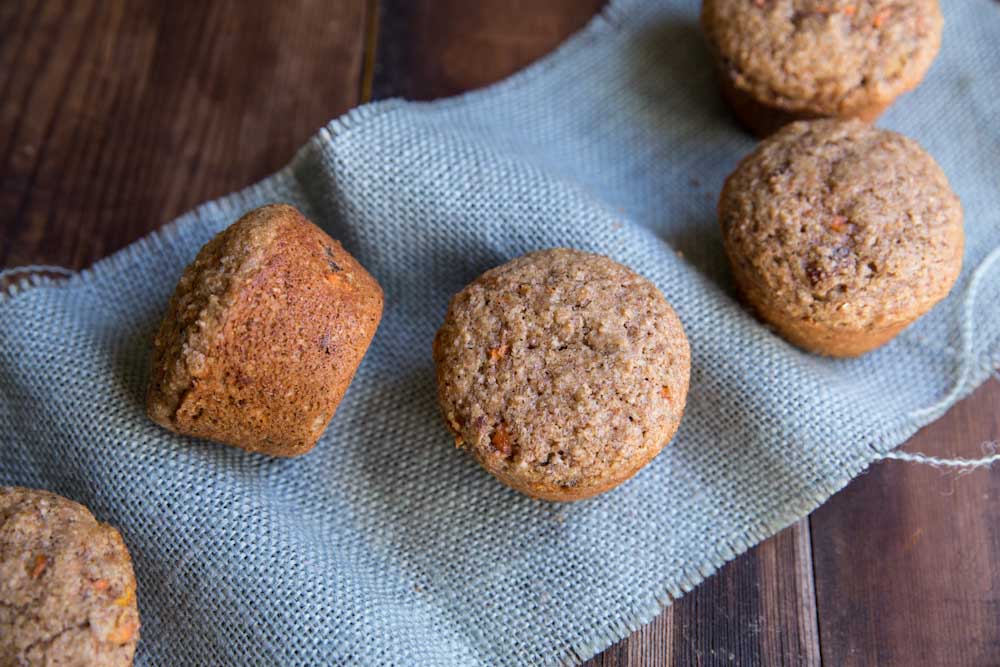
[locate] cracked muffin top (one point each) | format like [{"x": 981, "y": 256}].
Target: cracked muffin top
[
  {"x": 67, "y": 590},
  {"x": 562, "y": 371},
  {"x": 831, "y": 57},
  {"x": 843, "y": 223}
]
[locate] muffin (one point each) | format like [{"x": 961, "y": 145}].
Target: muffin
[
  {"x": 786, "y": 60},
  {"x": 67, "y": 590},
  {"x": 262, "y": 335},
  {"x": 840, "y": 234},
  {"x": 562, "y": 372}
]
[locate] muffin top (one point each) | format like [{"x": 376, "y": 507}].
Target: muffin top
[
  {"x": 824, "y": 56},
  {"x": 67, "y": 591},
  {"x": 843, "y": 223},
  {"x": 562, "y": 369}
]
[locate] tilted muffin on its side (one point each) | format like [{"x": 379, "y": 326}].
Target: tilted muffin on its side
[
  {"x": 67, "y": 590},
  {"x": 840, "y": 234},
  {"x": 262, "y": 336},
  {"x": 786, "y": 60},
  {"x": 562, "y": 372}
]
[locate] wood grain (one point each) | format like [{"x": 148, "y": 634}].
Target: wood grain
[
  {"x": 118, "y": 116},
  {"x": 757, "y": 610},
  {"x": 905, "y": 557},
  {"x": 436, "y": 48}
]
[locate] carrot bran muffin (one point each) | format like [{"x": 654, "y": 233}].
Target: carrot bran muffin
[
  {"x": 562, "y": 372},
  {"x": 262, "y": 335},
  {"x": 786, "y": 60},
  {"x": 67, "y": 590},
  {"x": 841, "y": 234}
]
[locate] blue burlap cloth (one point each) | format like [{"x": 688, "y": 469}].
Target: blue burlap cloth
[{"x": 386, "y": 545}]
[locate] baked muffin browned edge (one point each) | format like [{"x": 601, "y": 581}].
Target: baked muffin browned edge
[
  {"x": 611, "y": 479},
  {"x": 811, "y": 335},
  {"x": 305, "y": 351}
]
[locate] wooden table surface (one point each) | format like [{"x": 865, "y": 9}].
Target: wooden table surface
[{"x": 118, "y": 116}]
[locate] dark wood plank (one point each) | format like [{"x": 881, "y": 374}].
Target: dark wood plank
[
  {"x": 905, "y": 557},
  {"x": 758, "y": 609},
  {"x": 117, "y": 116},
  {"x": 435, "y": 48}
]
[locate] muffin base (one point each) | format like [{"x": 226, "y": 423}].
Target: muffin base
[
  {"x": 828, "y": 341},
  {"x": 564, "y": 494},
  {"x": 810, "y": 335},
  {"x": 763, "y": 119}
]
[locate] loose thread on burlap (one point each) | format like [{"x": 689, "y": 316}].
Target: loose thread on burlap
[
  {"x": 967, "y": 465},
  {"x": 965, "y": 336},
  {"x": 965, "y": 367}
]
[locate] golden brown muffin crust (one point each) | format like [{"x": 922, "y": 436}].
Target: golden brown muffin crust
[
  {"x": 842, "y": 225},
  {"x": 67, "y": 590},
  {"x": 562, "y": 371},
  {"x": 847, "y": 58},
  {"x": 263, "y": 335}
]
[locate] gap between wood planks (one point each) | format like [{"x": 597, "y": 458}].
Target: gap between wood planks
[{"x": 370, "y": 50}]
